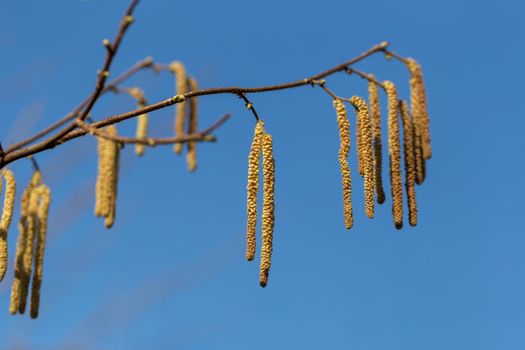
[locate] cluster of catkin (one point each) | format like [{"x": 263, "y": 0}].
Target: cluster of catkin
[
  {"x": 369, "y": 153},
  {"x": 262, "y": 144},
  {"x": 29, "y": 258},
  {"x": 185, "y": 112},
  {"x": 107, "y": 179}
]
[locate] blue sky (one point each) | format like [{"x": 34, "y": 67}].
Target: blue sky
[{"x": 171, "y": 273}]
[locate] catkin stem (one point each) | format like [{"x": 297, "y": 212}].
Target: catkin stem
[
  {"x": 268, "y": 215},
  {"x": 191, "y": 157},
  {"x": 253, "y": 188},
  {"x": 179, "y": 71},
  {"x": 394, "y": 151},
  {"x": 42, "y": 214},
  {"x": 410, "y": 172},
  {"x": 7, "y": 215},
  {"x": 366, "y": 151},
  {"x": 375, "y": 115},
  {"x": 344, "y": 148}
]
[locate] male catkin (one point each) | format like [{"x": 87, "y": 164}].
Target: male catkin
[
  {"x": 418, "y": 155},
  {"x": 20, "y": 247},
  {"x": 375, "y": 115},
  {"x": 268, "y": 215},
  {"x": 113, "y": 155},
  {"x": 179, "y": 71},
  {"x": 418, "y": 101},
  {"x": 344, "y": 148},
  {"x": 367, "y": 154},
  {"x": 394, "y": 151},
  {"x": 28, "y": 251},
  {"x": 142, "y": 120},
  {"x": 7, "y": 215},
  {"x": 42, "y": 214},
  {"x": 191, "y": 157},
  {"x": 100, "y": 190},
  {"x": 410, "y": 171},
  {"x": 253, "y": 188}
]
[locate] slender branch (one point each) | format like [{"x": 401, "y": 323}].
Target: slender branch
[
  {"x": 395, "y": 55},
  {"x": 152, "y": 142}
]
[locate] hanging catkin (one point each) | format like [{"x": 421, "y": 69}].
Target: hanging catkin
[
  {"x": 344, "y": 148},
  {"x": 268, "y": 215},
  {"x": 42, "y": 214},
  {"x": 410, "y": 172},
  {"x": 20, "y": 245},
  {"x": 367, "y": 154},
  {"x": 418, "y": 101},
  {"x": 375, "y": 116},
  {"x": 31, "y": 229},
  {"x": 142, "y": 120},
  {"x": 113, "y": 155},
  {"x": 7, "y": 215},
  {"x": 359, "y": 147},
  {"x": 418, "y": 155},
  {"x": 179, "y": 71},
  {"x": 394, "y": 151},
  {"x": 253, "y": 188},
  {"x": 191, "y": 157}
]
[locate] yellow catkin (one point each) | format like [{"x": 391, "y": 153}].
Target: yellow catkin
[
  {"x": 418, "y": 155},
  {"x": 394, "y": 151},
  {"x": 179, "y": 71},
  {"x": 410, "y": 171},
  {"x": 418, "y": 101},
  {"x": 344, "y": 148},
  {"x": 7, "y": 215},
  {"x": 253, "y": 188},
  {"x": 100, "y": 190},
  {"x": 42, "y": 214},
  {"x": 375, "y": 115},
  {"x": 142, "y": 120},
  {"x": 359, "y": 148},
  {"x": 367, "y": 153},
  {"x": 268, "y": 215},
  {"x": 20, "y": 245},
  {"x": 28, "y": 251},
  {"x": 113, "y": 155},
  {"x": 191, "y": 157}
]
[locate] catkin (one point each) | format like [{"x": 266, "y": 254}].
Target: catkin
[
  {"x": 359, "y": 147},
  {"x": 142, "y": 120},
  {"x": 7, "y": 215},
  {"x": 20, "y": 246},
  {"x": 344, "y": 148},
  {"x": 253, "y": 188},
  {"x": 375, "y": 116},
  {"x": 418, "y": 155},
  {"x": 100, "y": 190},
  {"x": 179, "y": 71},
  {"x": 418, "y": 101},
  {"x": 367, "y": 154},
  {"x": 410, "y": 171},
  {"x": 191, "y": 156},
  {"x": 394, "y": 151},
  {"x": 113, "y": 155},
  {"x": 42, "y": 214},
  {"x": 28, "y": 249},
  {"x": 268, "y": 215}
]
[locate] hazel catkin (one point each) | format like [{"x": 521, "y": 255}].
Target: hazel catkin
[
  {"x": 179, "y": 71},
  {"x": 191, "y": 156},
  {"x": 7, "y": 215},
  {"x": 344, "y": 148},
  {"x": 375, "y": 116},
  {"x": 268, "y": 215},
  {"x": 253, "y": 188},
  {"x": 410, "y": 172},
  {"x": 113, "y": 155},
  {"x": 418, "y": 101},
  {"x": 367, "y": 155},
  {"x": 42, "y": 214},
  {"x": 394, "y": 151},
  {"x": 142, "y": 120}
]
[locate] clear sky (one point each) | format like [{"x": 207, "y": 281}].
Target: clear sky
[{"x": 171, "y": 273}]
